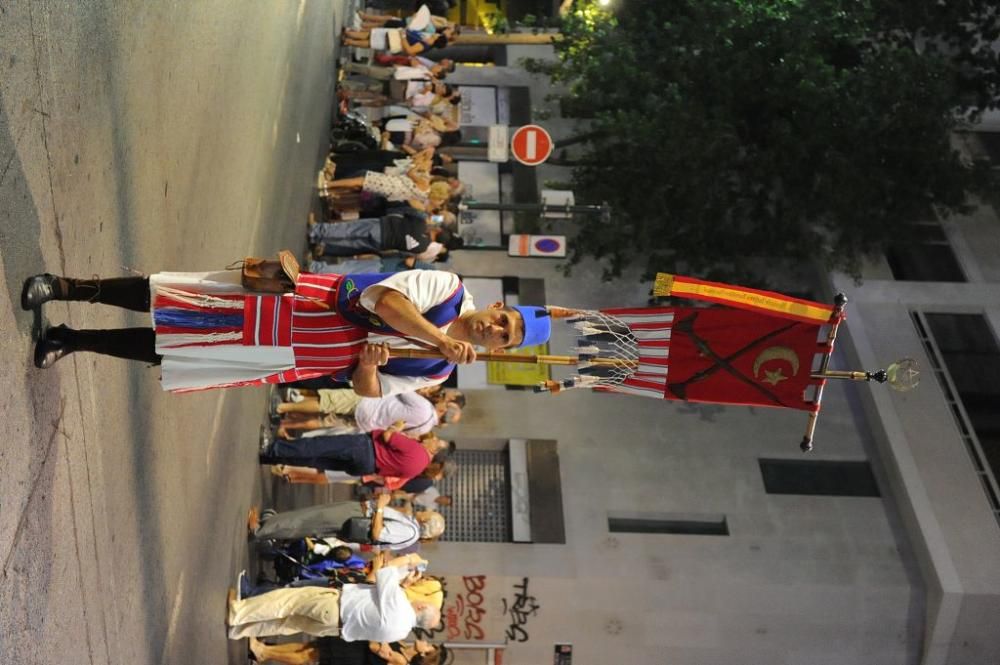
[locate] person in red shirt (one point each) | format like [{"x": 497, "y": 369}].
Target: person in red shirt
[{"x": 381, "y": 452}]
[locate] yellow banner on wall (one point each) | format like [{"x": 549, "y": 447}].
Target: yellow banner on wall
[{"x": 519, "y": 374}]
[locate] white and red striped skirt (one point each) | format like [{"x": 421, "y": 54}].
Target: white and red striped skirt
[{"x": 214, "y": 334}]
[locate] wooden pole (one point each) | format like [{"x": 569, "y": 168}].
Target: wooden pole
[{"x": 516, "y": 358}]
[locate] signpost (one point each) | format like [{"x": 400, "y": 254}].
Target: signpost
[
  {"x": 531, "y": 145},
  {"x": 499, "y": 145}
]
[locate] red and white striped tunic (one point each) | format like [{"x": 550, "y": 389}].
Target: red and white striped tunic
[{"x": 282, "y": 338}]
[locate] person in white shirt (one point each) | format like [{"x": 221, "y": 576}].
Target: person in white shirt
[
  {"x": 341, "y": 523},
  {"x": 377, "y": 612},
  {"x": 347, "y": 412}
]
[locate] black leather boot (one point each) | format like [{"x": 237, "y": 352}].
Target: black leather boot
[
  {"x": 40, "y": 289},
  {"x": 128, "y": 343},
  {"x": 127, "y": 292},
  {"x": 53, "y": 345}
]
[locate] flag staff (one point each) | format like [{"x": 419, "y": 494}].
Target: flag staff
[
  {"x": 878, "y": 376},
  {"x": 839, "y": 303},
  {"x": 517, "y": 358}
]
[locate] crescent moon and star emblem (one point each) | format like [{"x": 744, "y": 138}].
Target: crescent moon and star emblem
[{"x": 774, "y": 377}]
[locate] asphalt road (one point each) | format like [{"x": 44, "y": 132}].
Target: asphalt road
[{"x": 147, "y": 135}]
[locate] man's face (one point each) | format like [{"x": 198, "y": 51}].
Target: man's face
[{"x": 496, "y": 327}]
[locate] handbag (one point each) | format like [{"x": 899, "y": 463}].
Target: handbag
[
  {"x": 358, "y": 530},
  {"x": 270, "y": 275}
]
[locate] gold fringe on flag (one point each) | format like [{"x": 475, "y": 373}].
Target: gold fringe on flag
[{"x": 664, "y": 284}]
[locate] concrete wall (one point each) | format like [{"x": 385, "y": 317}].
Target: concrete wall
[{"x": 930, "y": 472}]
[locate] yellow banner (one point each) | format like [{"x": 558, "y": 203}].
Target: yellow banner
[
  {"x": 767, "y": 302},
  {"x": 519, "y": 374}
]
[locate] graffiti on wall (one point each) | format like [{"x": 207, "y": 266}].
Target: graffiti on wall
[
  {"x": 518, "y": 609},
  {"x": 463, "y": 618},
  {"x": 481, "y": 608}
]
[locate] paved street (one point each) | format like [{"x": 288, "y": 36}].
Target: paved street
[{"x": 146, "y": 136}]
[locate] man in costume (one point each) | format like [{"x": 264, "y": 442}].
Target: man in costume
[{"x": 209, "y": 332}]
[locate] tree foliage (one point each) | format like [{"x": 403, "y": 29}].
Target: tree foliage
[{"x": 728, "y": 129}]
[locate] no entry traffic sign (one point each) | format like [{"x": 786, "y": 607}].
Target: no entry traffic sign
[{"x": 531, "y": 145}]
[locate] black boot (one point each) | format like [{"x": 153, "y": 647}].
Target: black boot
[
  {"x": 52, "y": 346},
  {"x": 127, "y": 292},
  {"x": 128, "y": 343},
  {"x": 40, "y": 289}
]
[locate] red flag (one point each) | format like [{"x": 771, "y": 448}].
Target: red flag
[
  {"x": 721, "y": 355},
  {"x": 731, "y": 356}
]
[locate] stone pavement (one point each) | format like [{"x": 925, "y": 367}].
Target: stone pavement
[{"x": 146, "y": 136}]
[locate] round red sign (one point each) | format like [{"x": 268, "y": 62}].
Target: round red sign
[{"x": 531, "y": 145}]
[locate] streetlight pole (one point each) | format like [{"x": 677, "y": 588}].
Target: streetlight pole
[{"x": 604, "y": 210}]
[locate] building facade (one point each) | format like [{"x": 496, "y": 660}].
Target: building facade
[{"x": 641, "y": 530}]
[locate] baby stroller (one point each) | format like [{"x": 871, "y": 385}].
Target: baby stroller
[
  {"x": 351, "y": 132},
  {"x": 295, "y": 561}
]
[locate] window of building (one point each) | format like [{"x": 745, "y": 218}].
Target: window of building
[
  {"x": 922, "y": 253},
  {"x": 687, "y": 524},
  {"x": 818, "y": 477},
  {"x": 965, "y": 358}
]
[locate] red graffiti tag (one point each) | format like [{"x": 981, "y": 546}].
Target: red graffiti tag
[
  {"x": 453, "y": 616},
  {"x": 474, "y": 585}
]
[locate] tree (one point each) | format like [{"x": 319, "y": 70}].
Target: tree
[{"x": 723, "y": 130}]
